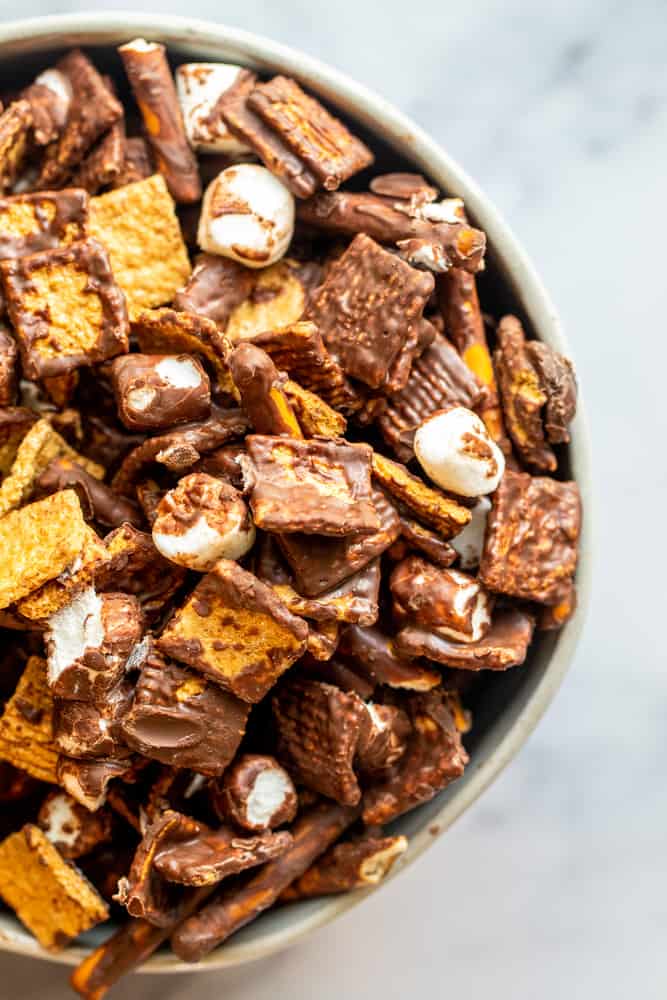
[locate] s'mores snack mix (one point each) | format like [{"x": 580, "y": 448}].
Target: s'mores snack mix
[{"x": 275, "y": 496}]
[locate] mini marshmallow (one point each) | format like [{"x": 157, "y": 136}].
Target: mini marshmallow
[
  {"x": 72, "y": 630},
  {"x": 220, "y": 526},
  {"x": 469, "y": 543},
  {"x": 59, "y": 84},
  {"x": 456, "y": 451},
  {"x": 267, "y": 795},
  {"x": 247, "y": 215},
  {"x": 199, "y": 87}
]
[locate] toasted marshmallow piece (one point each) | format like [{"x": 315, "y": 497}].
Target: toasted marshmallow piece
[
  {"x": 199, "y": 87},
  {"x": 201, "y": 521},
  {"x": 247, "y": 215},
  {"x": 75, "y": 628},
  {"x": 456, "y": 451},
  {"x": 469, "y": 543}
]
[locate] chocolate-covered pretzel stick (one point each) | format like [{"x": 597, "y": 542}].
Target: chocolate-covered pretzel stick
[
  {"x": 459, "y": 302},
  {"x": 131, "y": 945},
  {"x": 453, "y": 242},
  {"x": 151, "y": 80},
  {"x": 313, "y": 833}
]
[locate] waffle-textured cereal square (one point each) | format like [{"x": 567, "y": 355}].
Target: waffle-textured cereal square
[
  {"x": 26, "y": 725},
  {"x": 49, "y": 895},
  {"x": 138, "y": 226}
]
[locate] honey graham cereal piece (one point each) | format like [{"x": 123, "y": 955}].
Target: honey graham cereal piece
[
  {"x": 158, "y": 391},
  {"x": 559, "y": 383},
  {"x": 314, "y": 831},
  {"x": 320, "y": 564},
  {"x": 200, "y": 521},
  {"x": 215, "y": 288},
  {"x": 445, "y": 515},
  {"x": 374, "y": 655},
  {"x": 368, "y": 312},
  {"x": 504, "y": 645},
  {"x": 38, "y": 542},
  {"x": 54, "y": 901},
  {"x": 354, "y": 600},
  {"x": 37, "y": 449},
  {"x": 261, "y": 390},
  {"x": 299, "y": 350},
  {"x": 88, "y": 641},
  {"x": 44, "y": 220},
  {"x": 26, "y": 725},
  {"x": 315, "y": 487},
  {"x": 445, "y": 601},
  {"x": 316, "y": 418},
  {"x": 66, "y": 308},
  {"x": 434, "y": 236},
  {"x": 98, "y": 501},
  {"x": 93, "y": 110},
  {"x": 234, "y": 628},
  {"x": 137, "y": 224},
  {"x": 155, "y": 93},
  {"x": 166, "y": 331},
  {"x": 318, "y": 728},
  {"x": 276, "y": 298},
  {"x": 434, "y": 758},
  {"x": 556, "y": 615},
  {"x": 351, "y": 864},
  {"x": 532, "y": 536},
  {"x": 53, "y": 595},
  {"x": 256, "y": 793},
  {"x": 459, "y": 303},
  {"x": 234, "y": 108},
  {"x": 8, "y": 367},
  {"x": 182, "y": 719},
  {"x": 438, "y": 378},
  {"x": 15, "y": 127},
  {"x": 71, "y": 829},
  {"x": 319, "y": 139}
]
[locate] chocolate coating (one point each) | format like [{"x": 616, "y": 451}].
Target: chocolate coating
[
  {"x": 183, "y": 719},
  {"x": 98, "y": 501},
  {"x": 150, "y": 394}
]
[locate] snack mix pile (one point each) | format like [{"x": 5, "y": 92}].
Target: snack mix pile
[{"x": 263, "y": 516}]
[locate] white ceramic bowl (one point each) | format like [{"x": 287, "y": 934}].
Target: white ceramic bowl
[{"x": 515, "y": 701}]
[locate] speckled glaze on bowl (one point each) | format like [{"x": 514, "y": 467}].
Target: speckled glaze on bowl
[{"x": 512, "y": 703}]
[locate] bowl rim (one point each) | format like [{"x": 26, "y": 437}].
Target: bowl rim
[{"x": 508, "y": 734}]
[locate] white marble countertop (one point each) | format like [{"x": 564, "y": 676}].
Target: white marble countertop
[{"x": 554, "y": 884}]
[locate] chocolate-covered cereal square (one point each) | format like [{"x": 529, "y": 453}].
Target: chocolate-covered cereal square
[
  {"x": 319, "y": 139},
  {"x": 313, "y": 487},
  {"x": 44, "y": 220},
  {"x": 234, "y": 628},
  {"x": 369, "y": 310},
  {"x": 66, "y": 308},
  {"x": 26, "y": 725},
  {"x": 532, "y": 537}
]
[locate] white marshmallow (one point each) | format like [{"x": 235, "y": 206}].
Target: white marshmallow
[
  {"x": 199, "y": 87},
  {"x": 456, "y": 451},
  {"x": 469, "y": 543},
  {"x": 470, "y": 592},
  {"x": 57, "y": 82},
  {"x": 448, "y": 210},
  {"x": 225, "y": 532},
  {"x": 247, "y": 215},
  {"x": 181, "y": 373},
  {"x": 63, "y": 823},
  {"x": 269, "y": 791},
  {"x": 74, "y": 629}
]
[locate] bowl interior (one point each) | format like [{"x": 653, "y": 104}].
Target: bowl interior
[{"x": 506, "y": 706}]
